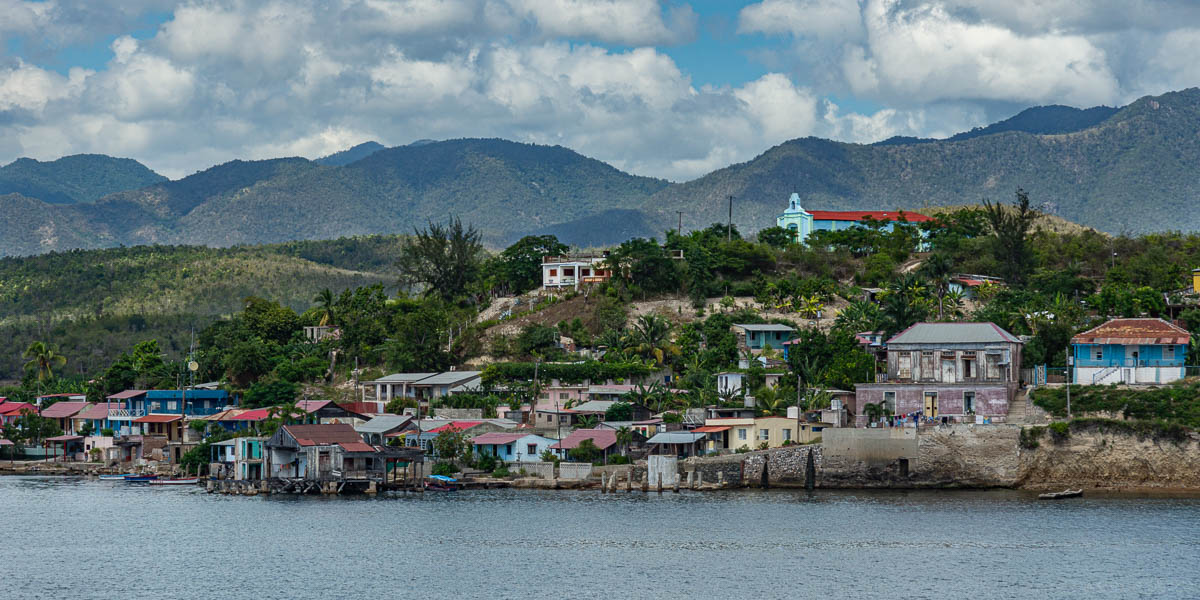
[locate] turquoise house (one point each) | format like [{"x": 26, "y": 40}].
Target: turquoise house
[
  {"x": 513, "y": 447},
  {"x": 1130, "y": 351},
  {"x": 802, "y": 222}
]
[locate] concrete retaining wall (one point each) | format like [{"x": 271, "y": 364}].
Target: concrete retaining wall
[
  {"x": 668, "y": 466},
  {"x": 543, "y": 470},
  {"x": 574, "y": 470}
]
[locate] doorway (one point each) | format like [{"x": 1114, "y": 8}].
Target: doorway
[
  {"x": 948, "y": 370},
  {"x": 931, "y": 404}
]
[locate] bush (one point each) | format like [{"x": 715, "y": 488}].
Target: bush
[
  {"x": 445, "y": 469},
  {"x": 107, "y": 432},
  {"x": 550, "y": 457},
  {"x": 744, "y": 449},
  {"x": 1029, "y": 437},
  {"x": 485, "y": 462},
  {"x": 618, "y": 460},
  {"x": 1060, "y": 431},
  {"x": 500, "y": 472}
]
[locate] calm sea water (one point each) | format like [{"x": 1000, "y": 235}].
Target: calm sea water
[{"x": 73, "y": 538}]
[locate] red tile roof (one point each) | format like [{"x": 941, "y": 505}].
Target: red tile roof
[
  {"x": 158, "y": 419},
  {"x": 62, "y": 410},
  {"x": 1134, "y": 331},
  {"x": 858, "y": 215},
  {"x": 323, "y": 435},
  {"x": 603, "y": 438}
]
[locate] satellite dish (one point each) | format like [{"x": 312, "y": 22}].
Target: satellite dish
[{"x": 193, "y": 366}]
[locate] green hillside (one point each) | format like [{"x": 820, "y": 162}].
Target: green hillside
[
  {"x": 81, "y": 178},
  {"x": 1134, "y": 171},
  {"x": 90, "y": 301}
]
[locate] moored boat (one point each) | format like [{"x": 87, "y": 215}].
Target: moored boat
[
  {"x": 140, "y": 478},
  {"x": 118, "y": 477},
  {"x": 441, "y": 483},
  {"x": 175, "y": 481},
  {"x": 1061, "y": 495}
]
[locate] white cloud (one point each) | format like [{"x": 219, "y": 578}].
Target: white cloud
[
  {"x": 840, "y": 19},
  {"x": 30, "y": 88},
  {"x": 627, "y": 22}
]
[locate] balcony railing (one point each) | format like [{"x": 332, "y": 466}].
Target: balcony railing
[{"x": 126, "y": 413}]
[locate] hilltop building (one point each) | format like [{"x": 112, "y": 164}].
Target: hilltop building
[
  {"x": 803, "y": 222},
  {"x": 1140, "y": 351}
]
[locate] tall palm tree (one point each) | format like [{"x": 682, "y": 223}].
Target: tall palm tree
[
  {"x": 326, "y": 300},
  {"x": 42, "y": 360},
  {"x": 624, "y": 438},
  {"x": 937, "y": 269},
  {"x": 859, "y": 316},
  {"x": 651, "y": 337}
]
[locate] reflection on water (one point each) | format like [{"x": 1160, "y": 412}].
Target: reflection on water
[{"x": 75, "y": 538}]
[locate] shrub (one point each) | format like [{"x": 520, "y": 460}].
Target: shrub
[
  {"x": 500, "y": 472},
  {"x": 548, "y": 456},
  {"x": 1029, "y": 437},
  {"x": 1060, "y": 431},
  {"x": 107, "y": 432},
  {"x": 445, "y": 469},
  {"x": 763, "y": 446},
  {"x": 744, "y": 449},
  {"x": 618, "y": 460},
  {"x": 485, "y": 462}
]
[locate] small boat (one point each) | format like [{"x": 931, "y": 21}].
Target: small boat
[
  {"x": 441, "y": 483},
  {"x": 119, "y": 477},
  {"x": 176, "y": 481},
  {"x": 140, "y": 478},
  {"x": 1061, "y": 495}
]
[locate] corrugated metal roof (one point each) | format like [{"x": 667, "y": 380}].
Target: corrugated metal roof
[
  {"x": 458, "y": 425},
  {"x": 383, "y": 424},
  {"x": 676, "y": 437},
  {"x": 323, "y": 435},
  {"x": 594, "y": 406},
  {"x": 402, "y": 378},
  {"x": 65, "y": 438},
  {"x": 1134, "y": 331},
  {"x": 603, "y": 438},
  {"x": 62, "y": 410},
  {"x": 97, "y": 412},
  {"x": 450, "y": 377},
  {"x": 953, "y": 333},
  {"x": 712, "y": 429},
  {"x": 158, "y": 419},
  {"x": 127, "y": 394},
  {"x": 12, "y": 408},
  {"x": 498, "y": 438},
  {"x": 359, "y": 446},
  {"x": 764, "y": 327},
  {"x": 859, "y": 215}
]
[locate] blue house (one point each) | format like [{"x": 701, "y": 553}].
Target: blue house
[
  {"x": 801, "y": 223},
  {"x": 758, "y": 336},
  {"x": 1130, "y": 351},
  {"x": 127, "y": 406},
  {"x": 522, "y": 447}
]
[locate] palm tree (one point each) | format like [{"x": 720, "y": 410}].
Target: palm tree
[
  {"x": 770, "y": 403},
  {"x": 651, "y": 337},
  {"x": 326, "y": 300},
  {"x": 624, "y": 438},
  {"x": 874, "y": 411},
  {"x": 859, "y": 316},
  {"x": 950, "y": 305},
  {"x": 42, "y": 360},
  {"x": 587, "y": 422},
  {"x": 937, "y": 269},
  {"x": 289, "y": 412},
  {"x": 815, "y": 399},
  {"x": 905, "y": 302}
]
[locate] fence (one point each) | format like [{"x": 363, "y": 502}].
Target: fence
[
  {"x": 1041, "y": 375},
  {"x": 574, "y": 470}
]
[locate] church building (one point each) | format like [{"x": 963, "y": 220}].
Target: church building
[{"x": 803, "y": 222}]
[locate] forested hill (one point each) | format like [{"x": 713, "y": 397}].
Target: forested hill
[
  {"x": 1133, "y": 171},
  {"x": 92, "y": 301},
  {"x": 1130, "y": 169},
  {"x": 72, "y": 179}
]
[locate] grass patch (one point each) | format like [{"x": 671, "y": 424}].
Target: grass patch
[{"x": 1178, "y": 403}]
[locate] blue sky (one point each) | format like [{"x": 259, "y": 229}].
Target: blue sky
[{"x": 669, "y": 88}]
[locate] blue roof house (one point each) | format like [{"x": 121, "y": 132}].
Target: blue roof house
[{"x": 1130, "y": 351}]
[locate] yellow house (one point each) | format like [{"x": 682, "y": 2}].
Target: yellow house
[
  {"x": 1196, "y": 280},
  {"x": 731, "y": 434}
]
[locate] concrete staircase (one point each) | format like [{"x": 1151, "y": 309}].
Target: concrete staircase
[{"x": 1019, "y": 408}]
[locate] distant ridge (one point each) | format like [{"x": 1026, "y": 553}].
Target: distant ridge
[
  {"x": 81, "y": 178},
  {"x": 349, "y": 155}
]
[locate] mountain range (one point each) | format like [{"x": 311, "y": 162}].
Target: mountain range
[{"x": 1128, "y": 169}]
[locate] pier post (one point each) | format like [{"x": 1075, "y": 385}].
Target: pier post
[
  {"x": 660, "y": 483},
  {"x": 721, "y": 479},
  {"x": 646, "y": 481},
  {"x": 691, "y": 482},
  {"x": 629, "y": 481},
  {"x": 603, "y": 483},
  {"x": 810, "y": 473},
  {"x": 699, "y": 480},
  {"x": 675, "y": 488}
]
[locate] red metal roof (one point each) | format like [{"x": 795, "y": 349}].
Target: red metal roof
[
  {"x": 257, "y": 414},
  {"x": 62, "y": 410},
  {"x": 1134, "y": 331},
  {"x": 65, "y": 438},
  {"x": 458, "y": 425},
  {"x": 712, "y": 429},
  {"x": 603, "y": 438},
  {"x": 125, "y": 395},
  {"x": 359, "y": 446},
  {"x": 323, "y": 435},
  {"x": 97, "y": 412},
  {"x": 158, "y": 419},
  {"x": 9, "y": 409},
  {"x": 859, "y": 215},
  {"x": 311, "y": 406},
  {"x": 4, "y": 442},
  {"x": 497, "y": 438}
]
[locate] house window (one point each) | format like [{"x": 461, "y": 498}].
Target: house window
[
  {"x": 531, "y": 450},
  {"x": 787, "y": 434},
  {"x": 904, "y": 366},
  {"x": 1099, "y": 352},
  {"x": 993, "y": 366},
  {"x": 889, "y": 402},
  {"x": 564, "y": 395},
  {"x": 585, "y": 272},
  {"x": 1169, "y": 353},
  {"x": 742, "y": 434},
  {"x": 554, "y": 272},
  {"x": 171, "y": 406},
  {"x": 508, "y": 449},
  {"x": 764, "y": 435},
  {"x": 968, "y": 402},
  {"x": 927, "y": 365}
]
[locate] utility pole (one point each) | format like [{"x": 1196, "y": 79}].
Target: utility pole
[
  {"x": 679, "y": 229},
  {"x": 1069, "y": 361},
  {"x": 729, "y": 229}
]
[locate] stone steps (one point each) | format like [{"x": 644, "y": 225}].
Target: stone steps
[{"x": 1018, "y": 409}]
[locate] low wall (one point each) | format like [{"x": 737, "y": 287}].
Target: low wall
[
  {"x": 544, "y": 470},
  {"x": 574, "y": 470},
  {"x": 459, "y": 413}
]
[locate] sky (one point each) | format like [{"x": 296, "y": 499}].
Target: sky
[{"x": 670, "y": 89}]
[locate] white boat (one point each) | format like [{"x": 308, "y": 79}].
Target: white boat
[
  {"x": 1061, "y": 495},
  {"x": 120, "y": 477},
  {"x": 180, "y": 481}
]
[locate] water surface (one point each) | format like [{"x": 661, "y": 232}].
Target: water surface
[{"x": 74, "y": 538}]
